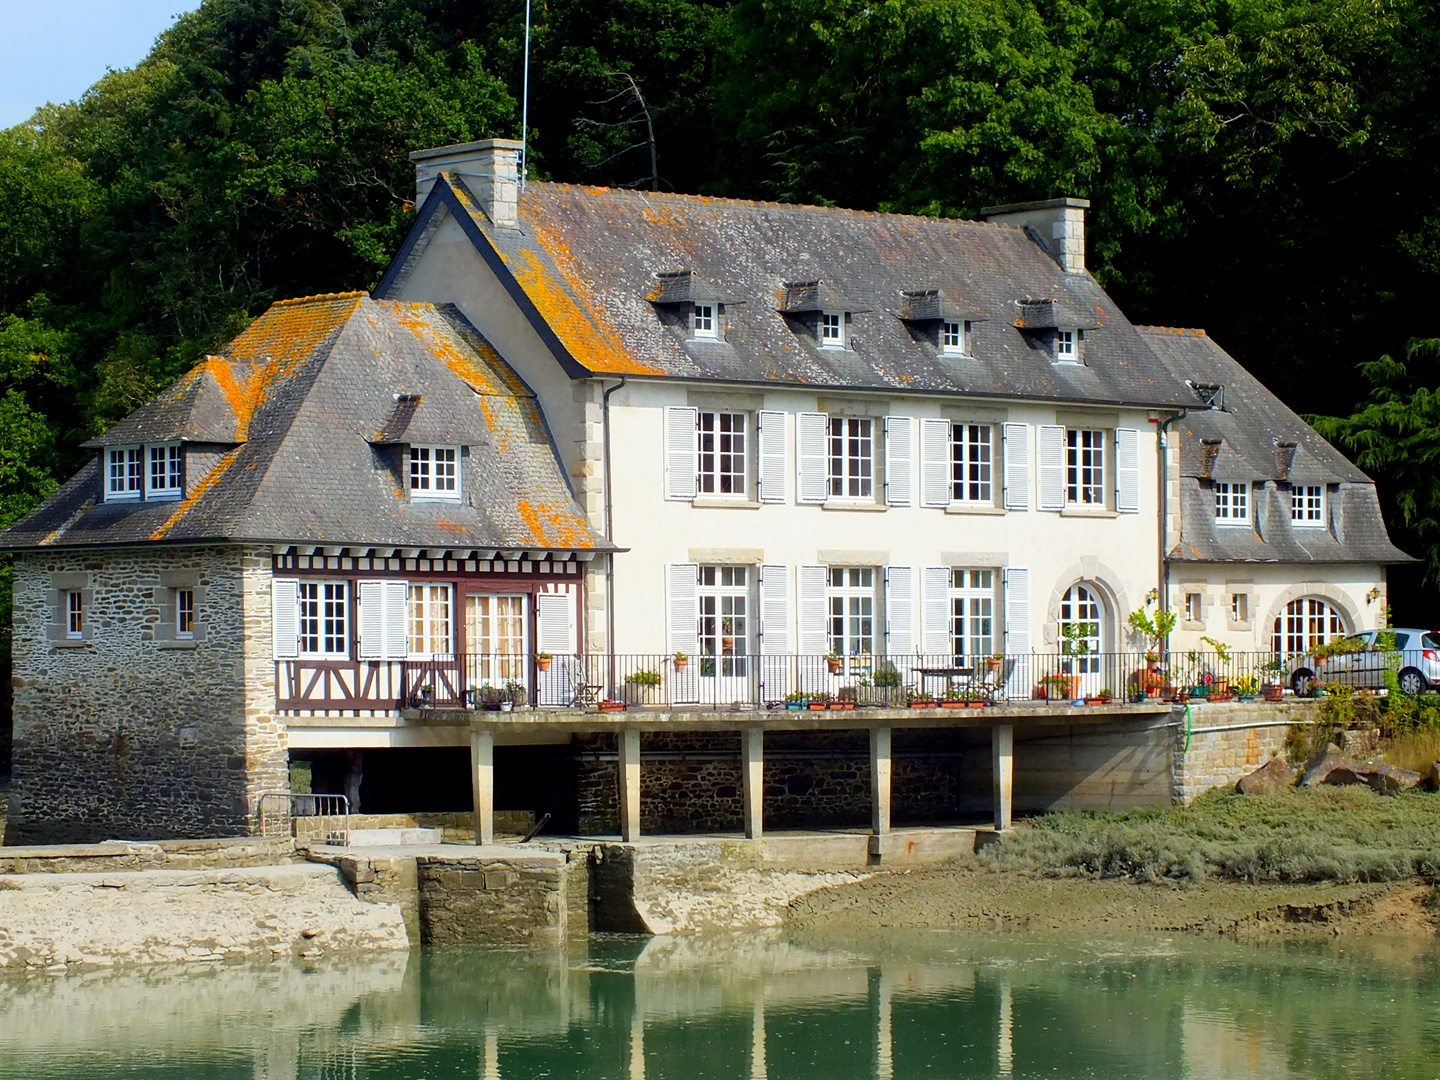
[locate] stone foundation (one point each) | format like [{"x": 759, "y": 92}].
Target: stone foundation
[
  {"x": 491, "y": 899},
  {"x": 1226, "y": 741},
  {"x": 127, "y": 732}
]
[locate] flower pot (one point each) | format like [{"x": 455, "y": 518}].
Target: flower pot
[
  {"x": 833, "y": 666},
  {"x": 610, "y": 705},
  {"x": 953, "y": 704},
  {"x": 1274, "y": 693},
  {"x": 643, "y": 694},
  {"x": 507, "y": 706},
  {"x": 842, "y": 706},
  {"x": 542, "y": 663},
  {"x": 922, "y": 704},
  {"x": 818, "y": 706},
  {"x": 992, "y": 664},
  {"x": 794, "y": 706},
  {"x": 976, "y": 704},
  {"x": 681, "y": 665},
  {"x": 1094, "y": 701}
]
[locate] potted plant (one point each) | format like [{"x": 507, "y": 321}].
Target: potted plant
[
  {"x": 953, "y": 699},
  {"x": 1247, "y": 687},
  {"x": 611, "y": 705},
  {"x": 794, "y": 702},
  {"x": 490, "y": 698},
  {"x": 832, "y": 663},
  {"x": 543, "y": 661},
  {"x": 993, "y": 662},
  {"x": 1059, "y": 687},
  {"x": 427, "y": 695},
  {"x": 680, "y": 660},
  {"x": 819, "y": 701},
  {"x": 921, "y": 699},
  {"x": 642, "y": 687},
  {"x": 472, "y": 696},
  {"x": 1104, "y": 697},
  {"x": 513, "y": 694}
]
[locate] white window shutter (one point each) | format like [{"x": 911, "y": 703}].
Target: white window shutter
[
  {"x": 555, "y": 624},
  {"x": 935, "y": 463},
  {"x": 899, "y": 610},
  {"x": 1127, "y": 470},
  {"x": 936, "y": 614},
  {"x": 1017, "y": 466},
  {"x": 899, "y": 460},
  {"x": 680, "y": 463},
  {"x": 814, "y": 641},
  {"x": 775, "y": 610},
  {"x": 285, "y": 617},
  {"x": 1017, "y": 610},
  {"x": 772, "y": 456},
  {"x": 397, "y": 619},
  {"x": 813, "y": 482},
  {"x": 371, "y": 597},
  {"x": 684, "y": 612},
  {"x": 1052, "y": 466}
]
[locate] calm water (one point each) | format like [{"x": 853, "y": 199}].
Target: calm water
[{"x": 741, "y": 1008}]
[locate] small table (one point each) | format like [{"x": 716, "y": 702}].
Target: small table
[{"x": 965, "y": 676}]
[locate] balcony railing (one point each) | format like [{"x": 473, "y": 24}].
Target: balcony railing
[{"x": 510, "y": 680}]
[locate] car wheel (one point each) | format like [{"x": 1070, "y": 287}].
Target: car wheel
[
  {"x": 1301, "y": 682},
  {"x": 1412, "y": 682}
]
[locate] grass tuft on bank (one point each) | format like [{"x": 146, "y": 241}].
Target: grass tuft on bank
[{"x": 1341, "y": 834}]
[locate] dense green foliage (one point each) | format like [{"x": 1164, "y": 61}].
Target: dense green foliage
[
  {"x": 1300, "y": 834},
  {"x": 1268, "y": 169}
]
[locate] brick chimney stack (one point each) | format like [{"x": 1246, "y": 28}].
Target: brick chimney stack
[
  {"x": 1060, "y": 224},
  {"x": 490, "y": 168}
]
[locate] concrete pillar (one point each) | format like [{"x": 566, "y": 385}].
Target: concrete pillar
[
  {"x": 758, "y": 1067},
  {"x": 752, "y": 769},
  {"x": 880, "y": 781},
  {"x": 482, "y": 780},
  {"x": 629, "y": 785},
  {"x": 1002, "y": 769}
]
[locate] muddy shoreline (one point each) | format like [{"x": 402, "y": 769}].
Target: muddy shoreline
[{"x": 964, "y": 899}]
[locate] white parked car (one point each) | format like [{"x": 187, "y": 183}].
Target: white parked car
[{"x": 1415, "y": 655}]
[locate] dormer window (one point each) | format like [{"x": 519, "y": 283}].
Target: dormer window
[
  {"x": 166, "y": 480},
  {"x": 704, "y": 324},
  {"x": 435, "y": 472},
  {"x": 124, "y": 473},
  {"x": 1065, "y": 346},
  {"x": 832, "y": 329},
  {"x": 1232, "y": 503},
  {"x": 952, "y": 338},
  {"x": 1307, "y": 506}
]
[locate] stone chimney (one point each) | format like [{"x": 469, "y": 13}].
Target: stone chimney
[
  {"x": 1059, "y": 222},
  {"x": 490, "y": 169}
]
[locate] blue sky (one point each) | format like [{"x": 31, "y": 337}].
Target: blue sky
[{"x": 53, "y": 50}]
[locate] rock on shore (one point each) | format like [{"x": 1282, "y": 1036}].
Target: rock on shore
[{"x": 62, "y": 922}]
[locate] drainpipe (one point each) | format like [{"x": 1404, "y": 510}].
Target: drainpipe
[
  {"x": 609, "y": 528},
  {"x": 1164, "y": 567}
]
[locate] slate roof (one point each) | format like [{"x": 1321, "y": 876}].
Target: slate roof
[
  {"x": 585, "y": 263},
  {"x": 1256, "y": 431},
  {"x": 297, "y": 413}
]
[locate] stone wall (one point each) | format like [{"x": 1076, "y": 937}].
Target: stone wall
[
  {"x": 1228, "y": 740},
  {"x": 692, "y": 782},
  {"x": 488, "y": 900},
  {"x": 129, "y": 733},
  {"x": 164, "y": 855}
]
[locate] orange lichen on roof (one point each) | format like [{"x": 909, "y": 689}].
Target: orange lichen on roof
[
  {"x": 291, "y": 330},
  {"x": 207, "y": 481},
  {"x": 556, "y": 528},
  {"x": 1181, "y": 330},
  {"x": 244, "y": 387},
  {"x": 444, "y": 346},
  {"x": 572, "y": 315}
]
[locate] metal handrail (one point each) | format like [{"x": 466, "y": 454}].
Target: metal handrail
[{"x": 303, "y": 806}]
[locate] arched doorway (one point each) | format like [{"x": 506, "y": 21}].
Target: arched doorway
[
  {"x": 1082, "y": 628},
  {"x": 1305, "y": 623}
]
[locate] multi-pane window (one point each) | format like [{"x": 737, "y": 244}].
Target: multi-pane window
[
  {"x": 166, "y": 473},
  {"x": 972, "y": 615},
  {"x": 851, "y": 453},
  {"x": 1307, "y": 505},
  {"x": 1232, "y": 503},
  {"x": 724, "y": 631},
  {"x": 1065, "y": 345},
  {"x": 184, "y": 613},
  {"x": 722, "y": 453},
  {"x": 832, "y": 329},
  {"x": 125, "y": 472},
  {"x": 324, "y": 618},
  {"x": 1079, "y": 626},
  {"x": 704, "y": 321},
  {"x": 435, "y": 472},
  {"x": 952, "y": 337},
  {"x": 850, "y": 601},
  {"x": 429, "y": 621},
  {"x": 1306, "y": 623},
  {"x": 1084, "y": 467},
  {"x": 495, "y": 638},
  {"x": 970, "y": 461},
  {"x": 74, "y": 614}
]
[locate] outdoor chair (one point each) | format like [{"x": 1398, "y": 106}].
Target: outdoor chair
[{"x": 584, "y": 694}]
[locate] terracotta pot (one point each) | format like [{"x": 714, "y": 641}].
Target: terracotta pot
[
  {"x": 833, "y": 666},
  {"x": 818, "y": 706},
  {"x": 1274, "y": 693},
  {"x": 542, "y": 663},
  {"x": 953, "y": 704},
  {"x": 977, "y": 704},
  {"x": 612, "y": 706},
  {"x": 681, "y": 665},
  {"x": 922, "y": 704},
  {"x": 991, "y": 664}
]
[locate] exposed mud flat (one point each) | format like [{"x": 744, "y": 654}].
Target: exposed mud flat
[{"x": 945, "y": 899}]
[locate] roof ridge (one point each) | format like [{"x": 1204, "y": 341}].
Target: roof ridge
[
  {"x": 1198, "y": 331},
  {"x": 680, "y": 196},
  {"x": 322, "y": 297}
]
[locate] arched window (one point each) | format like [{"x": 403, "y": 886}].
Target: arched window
[
  {"x": 1306, "y": 623},
  {"x": 1081, "y": 626}
]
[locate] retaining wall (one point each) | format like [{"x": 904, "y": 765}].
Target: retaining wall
[{"x": 1228, "y": 740}]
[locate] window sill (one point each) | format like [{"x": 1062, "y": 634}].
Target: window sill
[
  {"x": 724, "y": 504},
  {"x": 177, "y": 643},
  {"x": 168, "y": 496},
  {"x": 975, "y": 508},
  {"x": 71, "y": 643},
  {"x": 1088, "y": 512},
  {"x": 865, "y": 507},
  {"x": 1232, "y": 524},
  {"x": 434, "y": 498}
]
